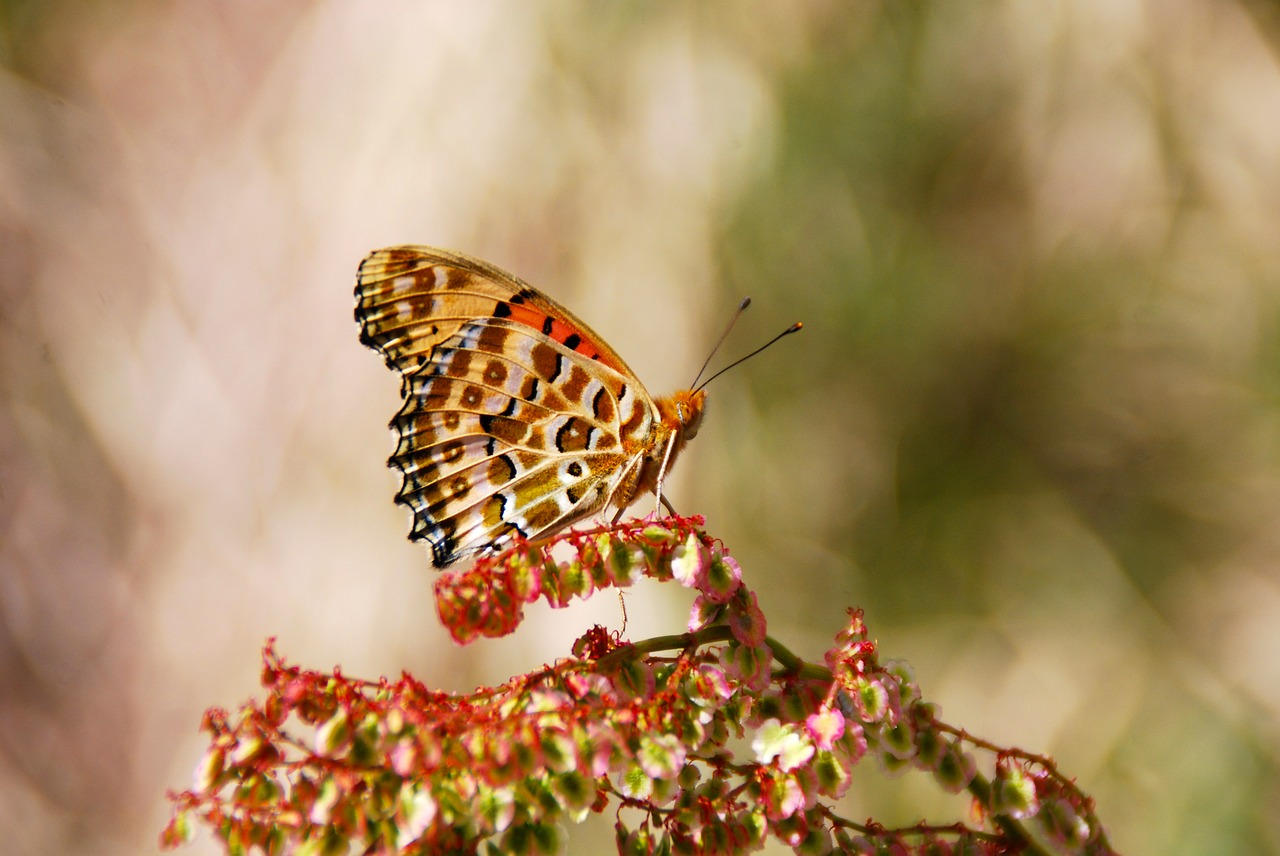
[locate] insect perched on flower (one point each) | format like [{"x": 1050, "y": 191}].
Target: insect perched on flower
[{"x": 518, "y": 420}]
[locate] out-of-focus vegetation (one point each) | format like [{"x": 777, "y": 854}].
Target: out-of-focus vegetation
[
  {"x": 1032, "y": 425},
  {"x": 1034, "y": 429}
]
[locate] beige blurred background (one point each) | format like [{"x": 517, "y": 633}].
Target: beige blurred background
[{"x": 1032, "y": 426}]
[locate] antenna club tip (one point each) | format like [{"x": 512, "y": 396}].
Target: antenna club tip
[
  {"x": 746, "y": 301},
  {"x": 796, "y": 327}
]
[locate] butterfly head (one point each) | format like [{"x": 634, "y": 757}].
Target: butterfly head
[{"x": 687, "y": 406}]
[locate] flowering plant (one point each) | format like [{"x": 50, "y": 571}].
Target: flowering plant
[{"x": 709, "y": 741}]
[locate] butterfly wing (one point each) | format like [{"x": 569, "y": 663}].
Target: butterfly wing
[
  {"x": 518, "y": 419},
  {"x": 411, "y": 298}
]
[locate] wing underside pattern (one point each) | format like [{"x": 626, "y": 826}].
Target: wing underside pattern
[
  {"x": 491, "y": 448},
  {"x": 516, "y": 420}
]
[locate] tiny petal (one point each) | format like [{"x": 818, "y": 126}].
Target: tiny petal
[
  {"x": 247, "y": 749},
  {"x": 955, "y": 770},
  {"x": 418, "y": 808},
  {"x": 899, "y": 741},
  {"x": 404, "y": 757},
  {"x": 747, "y": 665},
  {"x": 498, "y": 808},
  {"x": 661, "y": 756},
  {"x": 833, "y": 776},
  {"x": 1014, "y": 793},
  {"x": 333, "y": 734},
  {"x": 825, "y": 727},
  {"x": 715, "y": 679},
  {"x": 635, "y": 783},
  {"x": 787, "y": 797},
  {"x": 723, "y": 578},
  {"x": 657, "y": 534},
  {"x": 1066, "y": 823},
  {"x": 178, "y": 831},
  {"x": 577, "y": 684},
  {"x": 578, "y": 792},
  {"x": 703, "y": 612},
  {"x": 784, "y": 743},
  {"x": 326, "y": 799},
  {"x": 688, "y": 563},
  {"x": 559, "y": 753},
  {"x": 209, "y": 769},
  {"x": 873, "y": 700},
  {"x": 747, "y": 622}
]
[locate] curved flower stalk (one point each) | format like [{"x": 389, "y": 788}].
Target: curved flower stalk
[{"x": 713, "y": 740}]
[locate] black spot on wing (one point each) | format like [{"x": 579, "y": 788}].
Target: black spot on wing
[{"x": 602, "y": 406}]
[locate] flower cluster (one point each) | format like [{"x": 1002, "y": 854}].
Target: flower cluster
[
  {"x": 656, "y": 730},
  {"x": 488, "y": 599}
]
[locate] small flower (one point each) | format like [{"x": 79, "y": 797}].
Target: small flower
[
  {"x": 326, "y": 798},
  {"x": 417, "y": 810},
  {"x": 955, "y": 769},
  {"x": 689, "y": 563},
  {"x": 497, "y": 807},
  {"x": 783, "y": 797},
  {"x": 825, "y": 727},
  {"x": 704, "y": 612},
  {"x": 746, "y": 620},
  {"x": 872, "y": 700},
  {"x": 782, "y": 743},
  {"x": 559, "y": 753},
  {"x": 661, "y": 755},
  {"x": 635, "y": 783},
  {"x": 404, "y": 756},
  {"x": 576, "y": 791},
  {"x": 1014, "y": 792},
  {"x": 749, "y": 666},
  {"x": 833, "y": 776},
  {"x": 209, "y": 770},
  {"x": 723, "y": 577},
  {"x": 332, "y": 736}
]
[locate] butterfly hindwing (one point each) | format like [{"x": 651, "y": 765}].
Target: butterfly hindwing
[{"x": 517, "y": 419}]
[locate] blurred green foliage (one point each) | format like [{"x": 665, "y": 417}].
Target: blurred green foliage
[{"x": 1037, "y": 398}]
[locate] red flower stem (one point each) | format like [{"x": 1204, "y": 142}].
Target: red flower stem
[{"x": 673, "y": 642}]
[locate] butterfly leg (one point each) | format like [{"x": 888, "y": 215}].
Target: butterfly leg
[
  {"x": 662, "y": 472},
  {"x": 667, "y": 506}
]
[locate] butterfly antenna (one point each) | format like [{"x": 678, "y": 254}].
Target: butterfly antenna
[
  {"x": 746, "y": 301},
  {"x": 794, "y": 328}
]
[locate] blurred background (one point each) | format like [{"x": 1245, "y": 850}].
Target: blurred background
[{"x": 1032, "y": 425}]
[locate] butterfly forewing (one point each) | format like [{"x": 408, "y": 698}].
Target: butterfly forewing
[
  {"x": 408, "y": 299},
  {"x": 518, "y": 420}
]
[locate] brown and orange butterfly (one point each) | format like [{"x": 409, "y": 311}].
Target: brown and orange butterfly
[{"x": 518, "y": 420}]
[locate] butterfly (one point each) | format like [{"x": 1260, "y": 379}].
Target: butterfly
[{"x": 518, "y": 419}]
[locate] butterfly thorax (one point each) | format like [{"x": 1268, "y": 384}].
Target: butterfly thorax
[{"x": 679, "y": 418}]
